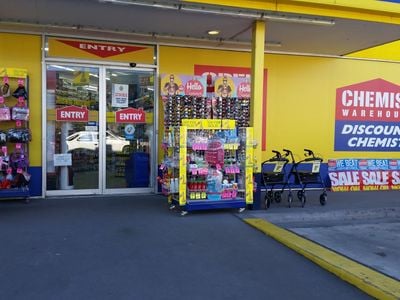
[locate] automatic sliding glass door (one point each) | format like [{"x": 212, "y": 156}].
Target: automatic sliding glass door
[
  {"x": 72, "y": 141},
  {"x": 99, "y": 129},
  {"x": 129, "y": 128}
]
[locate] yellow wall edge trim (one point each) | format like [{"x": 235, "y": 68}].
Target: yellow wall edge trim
[
  {"x": 367, "y": 280},
  {"x": 367, "y": 10}
]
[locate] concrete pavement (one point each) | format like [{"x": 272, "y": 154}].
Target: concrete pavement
[
  {"x": 356, "y": 236},
  {"x": 133, "y": 247}
]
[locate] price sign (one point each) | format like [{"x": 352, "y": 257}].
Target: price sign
[
  {"x": 228, "y": 124},
  {"x": 316, "y": 166},
  {"x": 279, "y": 166},
  {"x": 211, "y": 124},
  {"x": 192, "y": 123}
]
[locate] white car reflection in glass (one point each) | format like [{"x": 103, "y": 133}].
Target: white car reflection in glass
[{"x": 90, "y": 140}]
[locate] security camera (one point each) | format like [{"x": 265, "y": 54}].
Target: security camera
[{"x": 132, "y": 64}]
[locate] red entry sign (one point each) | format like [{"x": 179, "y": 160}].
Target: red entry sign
[
  {"x": 130, "y": 115},
  {"x": 72, "y": 114}
]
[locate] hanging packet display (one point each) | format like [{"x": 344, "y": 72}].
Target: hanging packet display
[
  {"x": 214, "y": 154},
  {"x": 5, "y": 88},
  {"x": 20, "y": 90},
  {"x": 3, "y": 138},
  {"x": 5, "y": 113},
  {"x": 4, "y": 158},
  {"x": 19, "y": 135},
  {"x": 20, "y": 113},
  {"x": 19, "y": 160}
]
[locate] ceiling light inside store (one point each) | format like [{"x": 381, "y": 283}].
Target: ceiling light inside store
[{"x": 213, "y": 32}]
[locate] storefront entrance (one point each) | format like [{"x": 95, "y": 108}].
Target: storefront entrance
[{"x": 99, "y": 129}]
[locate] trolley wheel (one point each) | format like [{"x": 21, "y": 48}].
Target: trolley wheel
[
  {"x": 290, "y": 199},
  {"x": 300, "y": 194},
  {"x": 323, "y": 198},
  {"x": 270, "y": 195},
  {"x": 267, "y": 200},
  {"x": 303, "y": 200},
  {"x": 277, "y": 197}
]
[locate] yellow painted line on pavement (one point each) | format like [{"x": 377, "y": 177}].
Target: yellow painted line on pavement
[{"x": 371, "y": 282}]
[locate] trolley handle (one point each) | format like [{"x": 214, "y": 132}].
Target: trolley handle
[
  {"x": 278, "y": 157},
  {"x": 277, "y": 154},
  {"x": 309, "y": 152},
  {"x": 314, "y": 158},
  {"x": 289, "y": 153}
]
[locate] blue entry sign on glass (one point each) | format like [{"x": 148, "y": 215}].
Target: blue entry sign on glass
[{"x": 129, "y": 131}]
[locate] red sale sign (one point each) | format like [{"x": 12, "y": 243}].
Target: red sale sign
[
  {"x": 72, "y": 114},
  {"x": 130, "y": 115}
]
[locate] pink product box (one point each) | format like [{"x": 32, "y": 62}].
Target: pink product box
[{"x": 229, "y": 194}]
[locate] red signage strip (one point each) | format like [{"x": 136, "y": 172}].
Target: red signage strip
[
  {"x": 130, "y": 115},
  {"x": 102, "y": 50},
  {"x": 72, "y": 114}
]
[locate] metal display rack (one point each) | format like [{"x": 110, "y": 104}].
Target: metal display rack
[
  {"x": 191, "y": 165},
  {"x": 14, "y": 158}
]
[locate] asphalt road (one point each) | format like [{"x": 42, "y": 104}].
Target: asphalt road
[{"x": 135, "y": 248}]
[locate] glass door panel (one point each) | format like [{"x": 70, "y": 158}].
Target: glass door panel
[
  {"x": 72, "y": 137},
  {"x": 129, "y": 128}
]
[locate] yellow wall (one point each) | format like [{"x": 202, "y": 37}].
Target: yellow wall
[
  {"x": 182, "y": 60},
  {"x": 301, "y": 94},
  {"x": 390, "y": 51},
  {"x": 24, "y": 51}
]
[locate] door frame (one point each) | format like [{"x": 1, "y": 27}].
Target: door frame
[{"x": 101, "y": 190}]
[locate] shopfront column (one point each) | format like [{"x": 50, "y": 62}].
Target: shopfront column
[{"x": 257, "y": 86}]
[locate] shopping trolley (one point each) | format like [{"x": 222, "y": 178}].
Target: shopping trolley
[
  {"x": 305, "y": 173},
  {"x": 274, "y": 177}
]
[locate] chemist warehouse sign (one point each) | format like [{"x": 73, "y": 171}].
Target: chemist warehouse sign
[{"x": 368, "y": 117}]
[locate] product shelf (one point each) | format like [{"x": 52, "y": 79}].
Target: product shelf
[
  {"x": 206, "y": 156},
  {"x": 14, "y": 147},
  {"x": 192, "y": 205}
]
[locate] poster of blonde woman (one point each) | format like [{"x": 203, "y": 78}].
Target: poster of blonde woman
[
  {"x": 225, "y": 87},
  {"x": 171, "y": 85}
]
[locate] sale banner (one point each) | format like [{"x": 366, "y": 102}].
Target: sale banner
[{"x": 364, "y": 174}]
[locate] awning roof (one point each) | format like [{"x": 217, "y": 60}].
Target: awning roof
[{"x": 180, "y": 22}]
